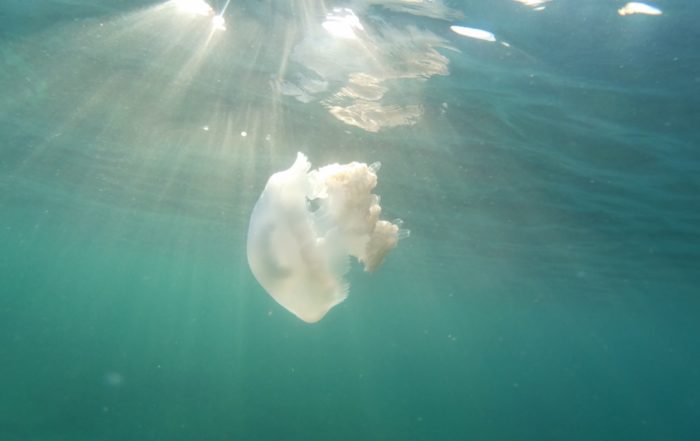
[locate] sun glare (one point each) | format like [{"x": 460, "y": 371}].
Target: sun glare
[
  {"x": 639, "y": 8},
  {"x": 219, "y": 23},
  {"x": 197, "y": 7},
  {"x": 478, "y": 34},
  {"x": 342, "y": 23}
]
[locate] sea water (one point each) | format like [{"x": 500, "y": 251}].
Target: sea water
[{"x": 545, "y": 158}]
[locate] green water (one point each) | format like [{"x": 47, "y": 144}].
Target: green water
[{"x": 547, "y": 291}]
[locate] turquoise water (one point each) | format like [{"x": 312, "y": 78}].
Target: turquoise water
[{"x": 549, "y": 179}]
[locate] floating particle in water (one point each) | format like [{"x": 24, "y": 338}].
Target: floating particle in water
[{"x": 114, "y": 379}]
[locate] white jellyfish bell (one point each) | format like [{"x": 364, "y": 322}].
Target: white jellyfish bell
[{"x": 306, "y": 225}]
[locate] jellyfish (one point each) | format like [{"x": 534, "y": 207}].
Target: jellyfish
[{"x": 308, "y": 224}]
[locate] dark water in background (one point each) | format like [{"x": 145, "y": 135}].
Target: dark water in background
[{"x": 548, "y": 290}]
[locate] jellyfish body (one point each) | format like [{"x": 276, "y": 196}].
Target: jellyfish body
[{"x": 306, "y": 226}]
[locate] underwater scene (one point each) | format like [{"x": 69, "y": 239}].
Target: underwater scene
[{"x": 298, "y": 220}]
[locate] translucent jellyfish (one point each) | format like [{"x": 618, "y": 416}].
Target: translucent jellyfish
[{"x": 306, "y": 226}]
